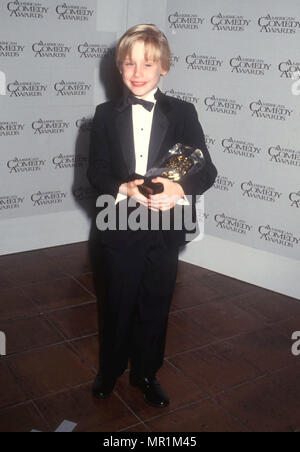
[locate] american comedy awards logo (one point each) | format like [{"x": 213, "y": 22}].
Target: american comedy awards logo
[
  {"x": 25, "y": 165},
  {"x": 289, "y": 69},
  {"x": 11, "y": 49},
  {"x": 278, "y": 25},
  {"x": 184, "y": 21},
  {"x": 266, "y": 110},
  {"x": 46, "y": 199},
  {"x": 223, "y": 183},
  {"x": 232, "y": 224},
  {"x": 223, "y": 22},
  {"x": 278, "y": 236},
  {"x": 90, "y": 51},
  {"x": 67, "y": 88},
  {"x": 84, "y": 124},
  {"x": 50, "y": 50},
  {"x": 284, "y": 156},
  {"x": 203, "y": 63},
  {"x": 71, "y": 12},
  {"x": 240, "y": 148},
  {"x": 11, "y": 202},
  {"x": 49, "y": 126},
  {"x": 69, "y": 161},
  {"x": 222, "y": 105},
  {"x": 27, "y": 10},
  {"x": 183, "y": 95},
  {"x": 26, "y": 89},
  {"x": 295, "y": 199},
  {"x": 11, "y": 128},
  {"x": 262, "y": 192},
  {"x": 250, "y": 66}
]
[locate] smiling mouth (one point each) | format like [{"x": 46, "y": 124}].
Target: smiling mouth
[{"x": 138, "y": 83}]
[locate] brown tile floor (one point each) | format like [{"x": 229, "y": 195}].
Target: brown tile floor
[{"x": 228, "y": 364}]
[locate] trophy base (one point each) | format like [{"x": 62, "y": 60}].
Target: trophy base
[{"x": 148, "y": 187}]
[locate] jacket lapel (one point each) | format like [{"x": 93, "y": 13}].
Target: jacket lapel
[
  {"x": 124, "y": 128},
  {"x": 160, "y": 125}
]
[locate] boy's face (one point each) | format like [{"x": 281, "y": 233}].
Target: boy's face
[{"x": 141, "y": 76}]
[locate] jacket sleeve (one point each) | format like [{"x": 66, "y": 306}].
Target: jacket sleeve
[
  {"x": 198, "y": 183},
  {"x": 99, "y": 171}
]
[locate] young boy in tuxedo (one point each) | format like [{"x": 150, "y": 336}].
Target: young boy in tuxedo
[{"x": 129, "y": 136}]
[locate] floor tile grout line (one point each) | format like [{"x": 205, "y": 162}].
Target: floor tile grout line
[
  {"x": 132, "y": 426},
  {"x": 207, "y": 396},
  {"x": 177, "y": 408},
  {"x": 41, "y": 415},
  {"x": 66, "y": 341},
  {"x": 44, "y": 313},
  {"x": 236, "y": 419},
  {"x": 128, "y": 406},
  {"x": 84, "y": 287}
]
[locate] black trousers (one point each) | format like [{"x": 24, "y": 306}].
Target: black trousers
[{"x": 138, "y": 280}]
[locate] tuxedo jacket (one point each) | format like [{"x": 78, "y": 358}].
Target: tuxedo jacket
[{"x": 112, "y": 154}]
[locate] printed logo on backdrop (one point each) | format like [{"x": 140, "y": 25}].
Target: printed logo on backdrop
[
  {"x": 203, "y": 63},
  {"x": 270, "y": 111},
  {"x": 289, "y": 69},
  {"x": 11, "y": 128},
  {"x": 66, "y": 88},
  {"x": 27, "y": 9},
  {"x": 232, "y": 224},
  {"x": 84, "y": 124},
  {"x": 209, "y": 141},
  {"x": 184, "y": 21},
  {"x": 98, "y": 51},
  {"x": 229, "y": 23},
  {"x": 25, "y": 165},
  {"x": 295, "y": 199},
  {"x": 69, "y": 161},
  {"x": 49, "y": 126},
  {"x": 278, "y": 236},
  {"x": 11, "y": 202},
  {"x": 251, "y": 66},
  {"x": 71, "y": 12},
  {"x": 50, "y": 50},
  {"x": 11, "y": 49},
  {"x": 258, "y": 191},
  {"x": 26, "y": 89},
  {"x": 84, "y": 193},
  {"x": 183, "y": 95},
  {"x": 224, "y": 183},
  {"x": 278, "y": 25},
  {"x": 174, "y": 60},
  {"x": 278, "y": 154},
  {"x": 240, "y": 148},
  {"x": 48, "y": 198},
  {"x": 222, "y": 105}
]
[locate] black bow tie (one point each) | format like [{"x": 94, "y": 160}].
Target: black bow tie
[{"x": 132, "y": 100}]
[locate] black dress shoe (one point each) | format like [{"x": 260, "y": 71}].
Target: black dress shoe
[
  {"x": 103, "y": 387},
  {"x": 153, "y": 392}
]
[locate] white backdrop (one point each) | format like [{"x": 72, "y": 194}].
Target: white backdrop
[{"x": 236, "y": 61}]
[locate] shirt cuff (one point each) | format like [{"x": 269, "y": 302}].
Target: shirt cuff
[
  {"x": 120, "y": 197},
  {"x": 183, "y": 201}
]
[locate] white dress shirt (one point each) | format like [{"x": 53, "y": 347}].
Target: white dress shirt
[{"x": 142, "y": 124}]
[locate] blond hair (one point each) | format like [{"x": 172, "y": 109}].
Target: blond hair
[{"x": 156, "y": 45}]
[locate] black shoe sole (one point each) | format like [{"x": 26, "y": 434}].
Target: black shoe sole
[
  {"x": 101, "y": 396},
  {"x": 136, "y": 385},
  {"x": 155, "y": 405}
]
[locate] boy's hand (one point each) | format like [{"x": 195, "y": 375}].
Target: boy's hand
[
  {"x": 168, "y": 198},
  {"x": 131, "y": 189}
]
